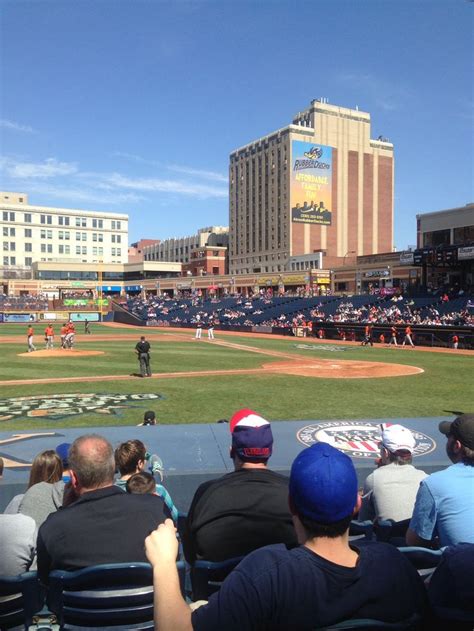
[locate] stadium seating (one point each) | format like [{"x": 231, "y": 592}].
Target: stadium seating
[
  {"x": 390, "y": 531},
  {"x": 20, "y": 598},
  {"x": 207, "y": 576},
  {"x": 424, "y": 560},
  {"x": 115, "y": 596}
]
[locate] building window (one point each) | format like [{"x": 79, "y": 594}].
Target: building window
[
  {"x": 61, "y": 249},
  {"x": 28, "y": 247},
  {"x": 84, "y": 236},
  {"x": 43, "y": 218},
  {"x": 84, "y": 250},
  {"x": 78, "y": 236},
  {"x": 5, "y": 260},
  {"x": 94, "y": 235},
  {"x": 50, "y": 248},
  {"x": 49, "y": 234},
  {"x": 63, "y": 221},
  {"x": 67, "y": 249},
  {"x": 43, "y": 234},
  {"x": 67, "y": 235},
  {"x": 119, "y": 252},
  {"x": 28, "y": 233},
  {"x": 5, "y": 232},
  {"x": 43, "y": 247},
  {"x": 12, "y": 260},
  {"x": 78, "y": 249},
  {"x": 61, "y": 235},
  {"x": 27, "y": 218},
  {"x": 28, "y": 261}
]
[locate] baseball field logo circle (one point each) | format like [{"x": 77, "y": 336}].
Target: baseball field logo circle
[{"x": 359, "y": 439}]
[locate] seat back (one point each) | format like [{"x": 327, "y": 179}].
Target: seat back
[
  {"x": 110, "y": 595},
  {"x": 20, "y": 597},
  {"x": 390, "y": 531},
  {"x": 363, "y": 530},
  {"x": 208, "y": 576}
]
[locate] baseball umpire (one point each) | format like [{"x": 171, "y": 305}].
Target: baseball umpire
[{"x": 143, "y": 353}]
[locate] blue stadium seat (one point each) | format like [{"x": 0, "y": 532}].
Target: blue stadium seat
[
  {"x": 361, "y": 530},
  {"x": 20, "y": 598},
  {"x": 390, "y": 531},
  {"x": 113, "y": 596},
  {"x": 208, "y": 576},
  {"x": 424, "y": 560}
]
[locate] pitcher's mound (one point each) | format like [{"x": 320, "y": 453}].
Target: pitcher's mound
[
  {"x": 331, "y": 369},
  {"x": 60, "y": 352}
]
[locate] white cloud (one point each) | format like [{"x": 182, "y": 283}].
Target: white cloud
[
  {"x": 81, "y": 195},
  {"x": 210, "y": 175},
  {"x": 186, "y": 170},
  {"x": 47, "y": 169},
  {"x": 165, "y": 186},
  {"x": 7, "y": 124}
]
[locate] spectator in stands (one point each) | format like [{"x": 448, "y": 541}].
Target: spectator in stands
[
  {"x": 130, "y": 458},
  {"x": 321, "y": 582},
  {"x": 390, "y": 490},
  {"x": 46, "y": 467},
  {"x": 141, "y": 483},
  {"x": 444, "y": 508},
  {"x": 17, "y": 541},
  {"x": 245, "y": 509},
  {"x": 451, "y": 587},
  {"x": 105, "y": 525},
  {"x": 63, "y": 452}
]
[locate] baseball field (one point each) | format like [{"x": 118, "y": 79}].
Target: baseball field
[{"x": 97, "y": 383}]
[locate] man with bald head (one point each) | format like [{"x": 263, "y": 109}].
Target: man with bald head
[{"x": 105, "y": 524}]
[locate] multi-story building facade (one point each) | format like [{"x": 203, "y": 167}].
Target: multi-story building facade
[
  {"x": 32, "y": 233},
  {"x": 181, "y": 249},
  {"x": 319, "y": 185}
]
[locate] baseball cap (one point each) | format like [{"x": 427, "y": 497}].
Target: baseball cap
[
  {"x": 149, "y": 417},
  {"x": 397, "y": 438},
  {"x": 252, "y": 437},
  {"x": 462, "y": 428},
  {"x": 323, "y": 484},
  {"x": 63, "y": 452}
]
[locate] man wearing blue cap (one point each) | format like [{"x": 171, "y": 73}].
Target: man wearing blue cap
[{"x": 323, "y": 581}]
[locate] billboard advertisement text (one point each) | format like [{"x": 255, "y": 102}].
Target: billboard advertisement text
[{"x": 311, "y": 183}]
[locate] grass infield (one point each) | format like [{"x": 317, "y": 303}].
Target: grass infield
[{"x": 444, "y": 388}]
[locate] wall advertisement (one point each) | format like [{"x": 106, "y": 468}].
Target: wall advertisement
[{"x": 311, "y": 183}]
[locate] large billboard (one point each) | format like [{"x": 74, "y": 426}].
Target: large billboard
[{"x": 311, "y": 183}]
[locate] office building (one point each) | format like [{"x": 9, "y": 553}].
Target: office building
[
  {"x": 181, "y": 249},
  {"x": 32, "y": 233},
  {"x": 316, "y": 190}
]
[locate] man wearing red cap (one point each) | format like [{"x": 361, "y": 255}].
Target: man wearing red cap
[
  {"x": 245, "y": 509},
  {"x": 321, "y": 582}
]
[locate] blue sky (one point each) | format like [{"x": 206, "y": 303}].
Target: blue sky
[{"x": 134, "y": 105}]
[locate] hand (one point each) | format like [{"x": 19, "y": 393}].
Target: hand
[{"x": 161, "y": 546}]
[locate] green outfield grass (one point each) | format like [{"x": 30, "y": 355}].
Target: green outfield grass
[{"x": 444, "y": 387}]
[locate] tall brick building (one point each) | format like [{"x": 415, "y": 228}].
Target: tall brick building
[{"x": 312, "y": 194}]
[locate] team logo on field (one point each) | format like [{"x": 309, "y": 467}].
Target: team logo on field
[
  {"x": 57, "y": 406},
  {"x": 324, "y": 347},
  {"x": 359, "y": 439}
]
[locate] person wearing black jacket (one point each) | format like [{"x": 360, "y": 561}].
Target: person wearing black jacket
[{"x": 143, "y": 353}]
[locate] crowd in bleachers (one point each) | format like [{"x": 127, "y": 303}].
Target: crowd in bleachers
[
  {"x": 37, "y": 302},
  {"x": 288, "y": 311},
  {"x": 300, "y": 563}
]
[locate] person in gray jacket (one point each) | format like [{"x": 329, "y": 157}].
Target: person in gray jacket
[
  {"x": 41, "y": 500},
  {"x": 390, "y": 490}
]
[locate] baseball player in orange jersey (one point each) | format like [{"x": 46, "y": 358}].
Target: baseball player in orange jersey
[
  {"x": 393, "y": 339},
  {"x": 49, "y": 336},
  {"x": 407, "y": 338},
  {"x": 29, "y": 334}
]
